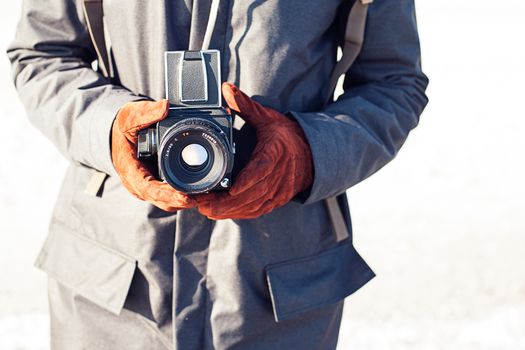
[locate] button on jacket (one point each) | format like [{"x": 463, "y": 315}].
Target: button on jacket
[{"x": 127, "y": 275}]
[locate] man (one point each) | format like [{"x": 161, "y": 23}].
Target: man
[{"x": 256, "y": 268}]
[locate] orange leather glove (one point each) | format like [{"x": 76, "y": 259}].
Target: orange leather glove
[
  {"x": 135, "y": 176},
  {"x": 280, "y": 168}
]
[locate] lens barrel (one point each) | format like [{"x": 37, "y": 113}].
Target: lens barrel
[{"x": 194, "y": 155}]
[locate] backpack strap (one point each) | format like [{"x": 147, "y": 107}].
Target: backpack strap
[
  {"x": 354, "y": 37},
  {"x": 95, "y": 21}
]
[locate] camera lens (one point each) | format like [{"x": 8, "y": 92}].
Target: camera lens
[{"x": 194, "y": 155}]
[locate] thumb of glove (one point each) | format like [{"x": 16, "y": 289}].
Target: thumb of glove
[
  {"x": 139, "y": 115},
  {"x": 252, "y": 112}
]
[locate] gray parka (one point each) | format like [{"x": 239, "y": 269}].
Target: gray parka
[{"x": 126, "y": 275}]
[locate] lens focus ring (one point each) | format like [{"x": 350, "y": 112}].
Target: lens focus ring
[{"x": 194, "y": 155}]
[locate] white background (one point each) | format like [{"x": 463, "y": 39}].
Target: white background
[{"x": 443, "y": 225}]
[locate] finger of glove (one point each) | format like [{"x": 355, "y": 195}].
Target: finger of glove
[
  {"x": 158, "y": 204},
  {"x": 246, "y": 206},
  {"x": 158, "y": 192},
  {"x": 173, "y": 204},
  {"x": 275, "y": 192},
  {"x": 169, "y": 207},
  {"x": 252, "y": 112},
  {"x": 214, "y": 205},
  {"x": 142, "y": 183},
  {"x": 262, "y": 165},
  {"x": 225, "y": 205},
  {"x": 218, "y": 209},
  {"x": 165, "y": 197},
  {"x": 139, "y": 115},
  {"x": 206, "y": 201},
  {"x": 277, "y": 196}
]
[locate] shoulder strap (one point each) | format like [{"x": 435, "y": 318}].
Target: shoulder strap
[
  {"x": 354, "y": 37},
  {"x": 95, "y": 21}
]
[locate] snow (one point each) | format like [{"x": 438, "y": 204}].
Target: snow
[
  {"x": 24, "y": 331},
  {"x": 443, "y": 225}
]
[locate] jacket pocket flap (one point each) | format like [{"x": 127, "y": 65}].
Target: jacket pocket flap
[
  {"x": 99, "y": 274},
  {"x": 304, "y": 284}
]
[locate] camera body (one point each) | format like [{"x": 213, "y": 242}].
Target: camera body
[{"x": 193, "y": 146}]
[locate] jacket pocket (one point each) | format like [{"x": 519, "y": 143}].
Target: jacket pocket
[
  {"x": 92, "y": 270},
  {"x": 303, "y": 284}
]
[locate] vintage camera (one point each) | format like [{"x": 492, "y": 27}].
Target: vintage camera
[{"x": 193, "y": 145}]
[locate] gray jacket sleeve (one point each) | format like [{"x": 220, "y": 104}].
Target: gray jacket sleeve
[
  {"x": 65, "y": 98},
  {"x": 384, "y": 94}
]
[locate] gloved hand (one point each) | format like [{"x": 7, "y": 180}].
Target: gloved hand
[
  {"x": 280, "y": 168},
  {"x": 135, "y": 177}
]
